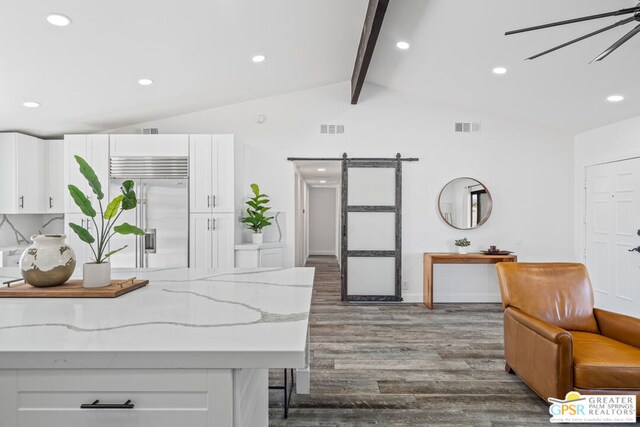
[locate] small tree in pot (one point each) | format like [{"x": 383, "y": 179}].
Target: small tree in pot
[
  {"x": 98, "y": 273},
  {"x": 256, "y": 218},
  {"x": 462, "y": 245}
]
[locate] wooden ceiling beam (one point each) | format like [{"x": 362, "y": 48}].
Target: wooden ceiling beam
[{"x": 370, "y": 31}]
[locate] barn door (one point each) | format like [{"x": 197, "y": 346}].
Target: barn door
[{"x": 371, "y": 229}]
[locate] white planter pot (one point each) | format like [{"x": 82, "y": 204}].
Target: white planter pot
[
  {"x": 462, "y": 250},
  {"x": 96, "y": 275},
  {"x": 257, "y": 238}
]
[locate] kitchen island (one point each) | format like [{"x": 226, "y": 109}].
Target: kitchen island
[{"x": 192, "y": 348}]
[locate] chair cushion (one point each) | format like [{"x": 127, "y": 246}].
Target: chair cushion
[{"x": 602, "y": 363}]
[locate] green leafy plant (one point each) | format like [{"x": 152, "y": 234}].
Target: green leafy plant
[
  {"x": 108, "y": 217},
  {"x": 463, "y": 243},
  {"x": 256, "y": 210}
]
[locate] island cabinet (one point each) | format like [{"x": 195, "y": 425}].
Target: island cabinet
[
  {"x": 211, "y": 240},
  {"x": 22, "y": 174},
  {"x": 95, "y": 150},
  {"x": 191, "y": 349}
]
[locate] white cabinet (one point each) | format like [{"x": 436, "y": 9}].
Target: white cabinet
[
  {"x": 82, "y": 250},
  {"x": 55, "y": 188},
  {"x": 211, "y": 241},
  {"x": 149, "y": 145},
  {"x": 156, "y": 397},
  {"x": 95, "y": 150},
  {"x": 22, "y": 174},
  {"x": 250, "y": 255},
  {"x": 211, "y": 163}
]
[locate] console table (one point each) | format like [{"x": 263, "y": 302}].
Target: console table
[{"x": 431, "y": 258}]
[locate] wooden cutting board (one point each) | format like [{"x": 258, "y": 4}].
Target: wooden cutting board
[{"x": 72, "y": 289}]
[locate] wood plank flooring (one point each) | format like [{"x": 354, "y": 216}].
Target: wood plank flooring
[{"x": 404, "y": 365}]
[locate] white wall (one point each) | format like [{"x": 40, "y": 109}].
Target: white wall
[
  {"x": 322, "y": 221},
  {"x": 528, "y": 170},
  {"x": 609, "y": 143}
]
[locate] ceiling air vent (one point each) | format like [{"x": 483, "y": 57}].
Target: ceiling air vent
[
  {"x": 147, "y": 131},
  {"x": 331, "y": 129},
  {"x": 467, "y": 127}
]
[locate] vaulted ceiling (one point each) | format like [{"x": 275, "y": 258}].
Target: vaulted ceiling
[{"x": 199, "y": 55}]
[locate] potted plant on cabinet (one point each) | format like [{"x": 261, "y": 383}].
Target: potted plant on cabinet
[
  {"x": 98, "y": 273},
  {"x": 256, "y": 210},
  {"x": 462, "y": 245}
]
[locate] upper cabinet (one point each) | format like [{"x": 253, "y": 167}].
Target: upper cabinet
[
  {"x": 55, "y": 189},
  {"x": 22, "y": 173},
  {"x": 95, "y": 150},
  {"x": 211, "y": 162},
  {"x": 149, "y": 145}
]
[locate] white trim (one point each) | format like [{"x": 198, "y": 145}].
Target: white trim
[{"x": 323, "y": 253}]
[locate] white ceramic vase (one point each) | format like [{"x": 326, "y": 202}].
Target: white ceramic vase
[
  {"x": 462, "y": 250},
  {"x": 49, "y": 261},
  {"x": 257, "y": 238},
  {"x": 96, "y": 275}
]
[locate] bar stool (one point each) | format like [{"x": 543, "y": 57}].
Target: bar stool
[{"x": 288, "y": 390}]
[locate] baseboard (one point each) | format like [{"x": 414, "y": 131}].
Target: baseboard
[
  {"x": 322, "y": 253},
  {"x": 454, "y": 298}
]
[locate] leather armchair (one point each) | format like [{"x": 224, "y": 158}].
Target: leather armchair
[{"x": 555, "y": 340}]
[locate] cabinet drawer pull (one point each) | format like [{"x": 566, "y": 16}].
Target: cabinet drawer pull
[
  {"x": 208, "y": 201},
  {"x": 214, "y": 201},
  {"x": 208, "y": 224},
  {"x": 98, "y": 405},
  {"x": 214, "y": 224},
  {"x": 50, "y": 202},
  {"x": 21, "y": 202}
]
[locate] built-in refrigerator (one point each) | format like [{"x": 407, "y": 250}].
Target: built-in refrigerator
[{"x": 162, "y": 188}]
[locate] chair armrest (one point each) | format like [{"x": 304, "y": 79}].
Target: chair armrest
[
  {"x": 545, "y": 329},
  {"x": 619, "y": 327},
  {"x": 539, "y": 352}
]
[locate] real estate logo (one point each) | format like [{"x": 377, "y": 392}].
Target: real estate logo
[{"x": 576, "y": 408}]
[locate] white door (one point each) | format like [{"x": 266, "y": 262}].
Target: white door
[
  {"x": 612, "y": 224},
  {"x": 222, "y": 241},
  {"x": 222, "y": 163},
  {"x": 55, "y": 177},
  {"x": 30, "y": 160},
  {"x": 200, "y": 241},
  {"x": 200, "y": 172}
]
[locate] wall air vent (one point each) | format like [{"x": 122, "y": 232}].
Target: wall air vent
[
  {"x": 467, "y": 127},
  {"x": 147, "y": 131},
  {"x": 331, "y": 129}
]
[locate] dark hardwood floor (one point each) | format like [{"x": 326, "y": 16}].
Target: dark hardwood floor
[{"x": 404, "y": 365}]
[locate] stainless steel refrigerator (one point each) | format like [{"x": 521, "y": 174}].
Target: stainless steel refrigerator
[{"x": 162, "y": 189}]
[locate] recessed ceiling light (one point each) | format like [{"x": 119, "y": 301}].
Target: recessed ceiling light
[
  {"x": 31, "y": 104},
  {"x": 58, "y": 20},
  {"x": 323, "y": 182},
  {"x": 322, "y": 170},
  {"x": 615, "y": 98},
  {"x": 402, "y": 45},
  {"x": 258, "y": 58},
  {"x": 145, "y": 82},
  {"x": 500, "y": 70}
]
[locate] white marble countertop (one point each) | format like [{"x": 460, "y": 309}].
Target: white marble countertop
[
  {"x": 254, "y": 246},
  {"x": 184, "y": 318}
]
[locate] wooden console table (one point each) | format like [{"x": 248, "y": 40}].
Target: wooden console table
[{"x": 431, "y": 258}]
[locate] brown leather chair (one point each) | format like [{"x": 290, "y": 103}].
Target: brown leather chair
[{"x": 555, "y": 340}]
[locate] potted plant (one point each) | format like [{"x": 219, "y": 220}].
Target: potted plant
[
  {"x": 462, "y": 245},
  {"x": 636, "y": 249},
  {"x": 256, "y": 210},
  {"x": 98, "y": 273}
]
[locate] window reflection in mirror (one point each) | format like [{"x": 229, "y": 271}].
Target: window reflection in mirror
[{"x": 465, "y": 203}]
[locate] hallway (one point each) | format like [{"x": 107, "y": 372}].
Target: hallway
[{"x": 405, "y": 365}]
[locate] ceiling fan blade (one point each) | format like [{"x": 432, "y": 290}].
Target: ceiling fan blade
[
  {"x": 617, "y": 44},
  {"x": 602, "y": 30},
  {"x": 572, "y": 21}
]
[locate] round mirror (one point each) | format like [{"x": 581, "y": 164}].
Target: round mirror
[{"x": 465, "y": 203}]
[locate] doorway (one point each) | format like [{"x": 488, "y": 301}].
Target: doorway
[
  {"x": 612, "y": 222},
  {"x": 318, "y": 185}
]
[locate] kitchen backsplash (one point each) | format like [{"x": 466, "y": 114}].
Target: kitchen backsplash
[{"x": 16, "y": 230}]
